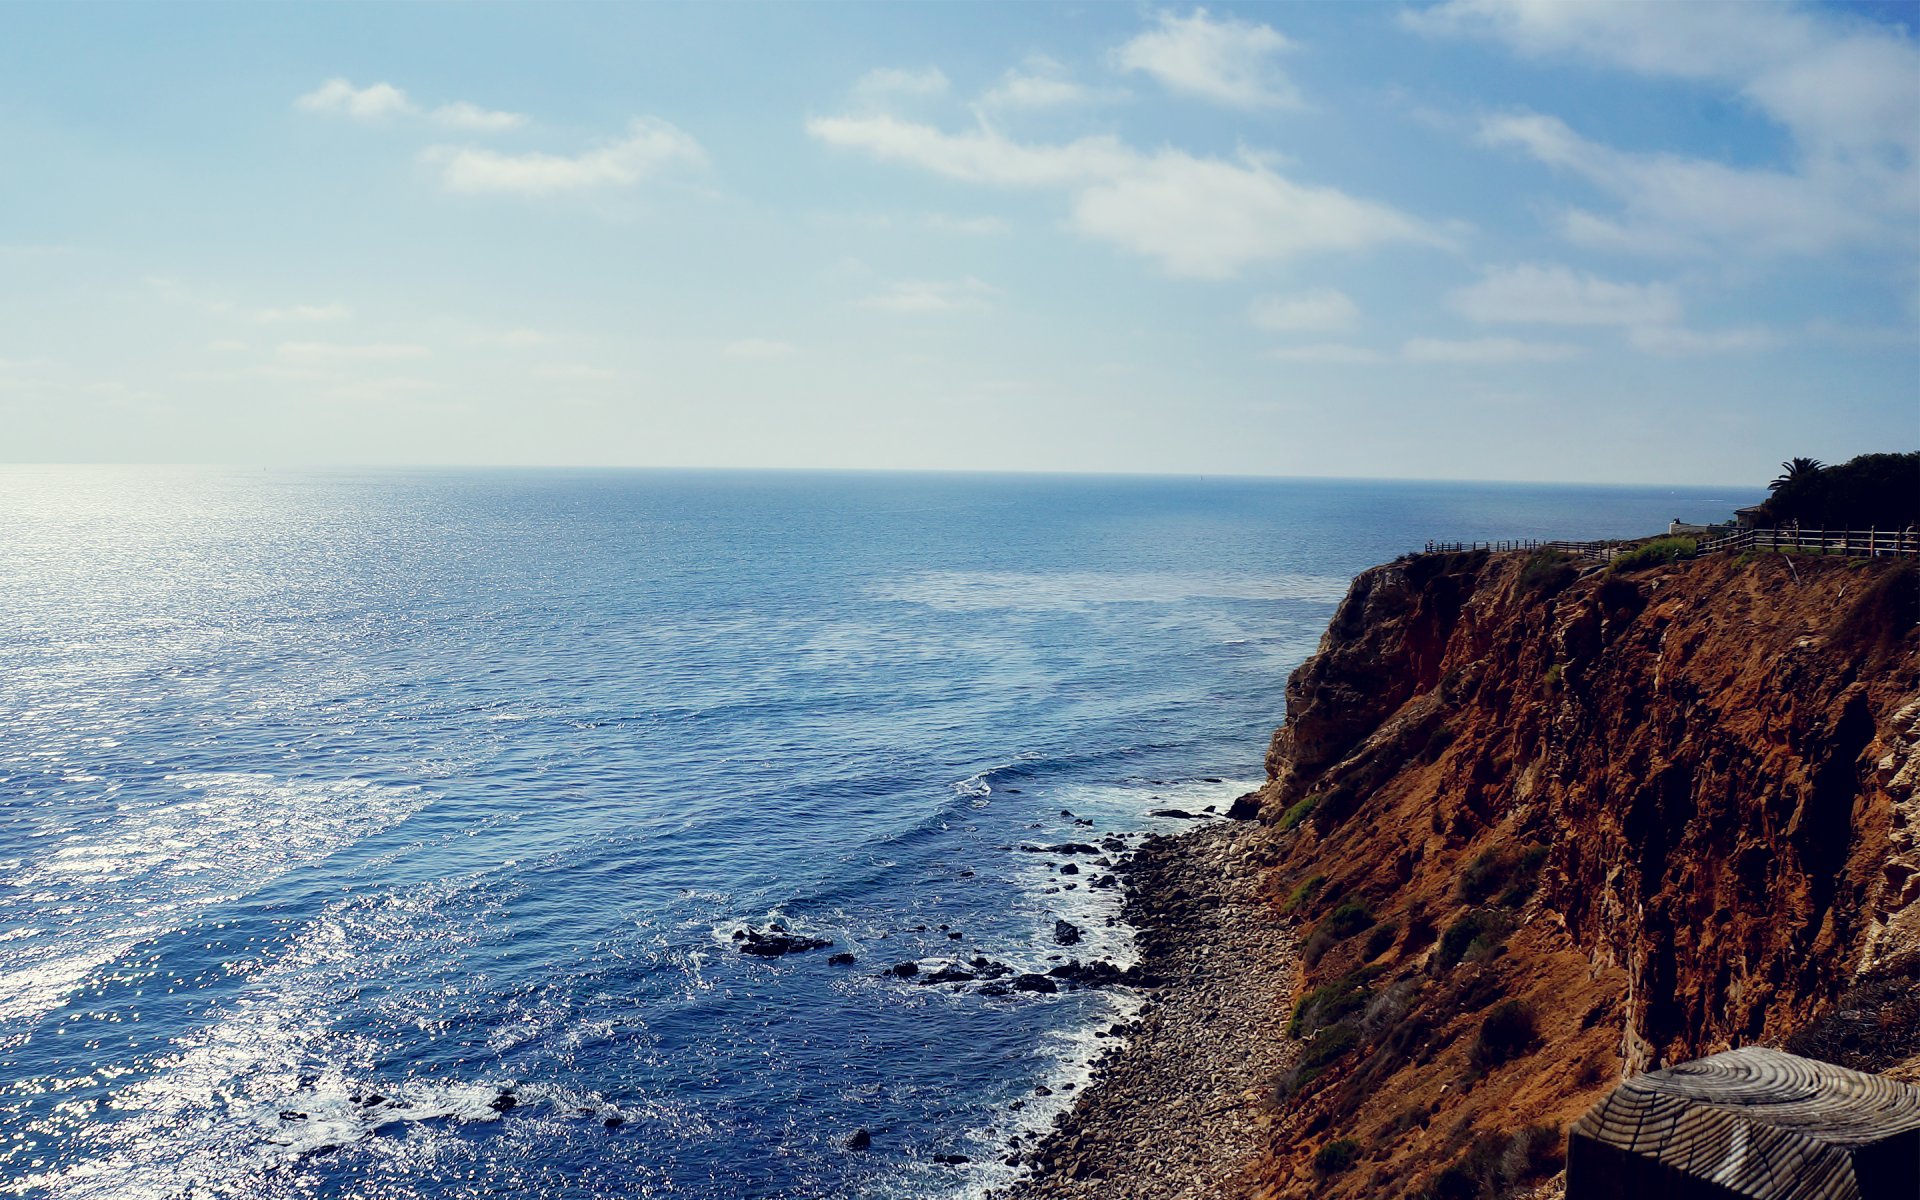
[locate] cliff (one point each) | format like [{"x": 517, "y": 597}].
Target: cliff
[{"x": 1540, "y": 829}]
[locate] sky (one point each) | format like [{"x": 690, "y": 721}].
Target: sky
[{"x": 1472, "y": 239}]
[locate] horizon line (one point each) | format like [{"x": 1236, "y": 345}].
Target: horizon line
[{"x": 1037, "y": 473}]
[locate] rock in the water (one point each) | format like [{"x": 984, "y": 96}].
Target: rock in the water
[
  {"x": 1066, "y": 933},
  {"x": 1244, "y": 807},
  {"x": 1031, "y": 982},
  {"x": 774, "y": 941},
  {"x": 842, "y": 959},
  {"x": 1179, "y": 814},
  {"x": 906, "y": 970},
  {"x": 1069, "y": 869},
  {"x": 859, "y": 1139},
  {"x": 503, "y": 1102}
]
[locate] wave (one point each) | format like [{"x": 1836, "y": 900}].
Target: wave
[
  {"x": 1071, "y": 591},
  {"x": 148, "y": 868}
]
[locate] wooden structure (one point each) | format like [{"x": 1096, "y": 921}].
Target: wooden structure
[
  {"x": 1750, "y": 1124},
  {"x": 1856, "y": 543}
]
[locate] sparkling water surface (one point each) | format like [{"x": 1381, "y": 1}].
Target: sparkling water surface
[{"x": 317, "y": 787}]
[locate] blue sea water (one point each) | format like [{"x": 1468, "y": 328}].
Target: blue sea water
[{"x": 321, "y": 786}]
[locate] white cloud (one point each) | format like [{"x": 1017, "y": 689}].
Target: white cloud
[
  {"x": 965, "y": 226},
  {"x": 757, "y": 348},
  {"x": 650, "y": 145},
  {"x": 1318, "y": 311},
  {"x": 576, "y": 373},
  {"x": 886, "y": 84},
  {"x": 1202, "y": 217},
  {"x": 474, "y": 119},
  {"x": 927, "y": 296},
  {"x": 303, "y": 312},
  {"x": 1040, "y": 82},
  {"x": 1228, "y": 61},
  {"x": 1324, "y": 352},
  {"x": 1830, "y": 78},
  {"x": 1486, "y": 351},
  {"x": 383, "y": 101},
  {"x": 1542, "y": 294},
  {"x": 1671, "y": 201},
  {"x": 1674, "y": 341},
  {"x": 1846, "y": 89},
  {"x": 521, "y": 339},
  {"x": 350, "y": 352},
  {"x": 375, "y": 102}
]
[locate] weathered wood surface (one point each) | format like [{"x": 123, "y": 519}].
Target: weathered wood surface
[{"x": 1754, "y": 1123}]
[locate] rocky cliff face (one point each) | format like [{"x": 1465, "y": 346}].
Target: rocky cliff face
[{"x": 1541, "y": 829}]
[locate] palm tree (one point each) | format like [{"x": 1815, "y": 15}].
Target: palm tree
[{"x": 1796, "y": 470}]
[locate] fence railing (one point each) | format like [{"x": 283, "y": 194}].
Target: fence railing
[
  {"x": 1868, "y": 543},
  {"x": 1601, "y": 551}
]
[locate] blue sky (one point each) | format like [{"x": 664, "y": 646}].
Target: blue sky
[{"x": 1494, "y": 239}]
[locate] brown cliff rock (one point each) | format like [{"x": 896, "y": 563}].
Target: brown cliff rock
[{"x": 1541, "y": 830}]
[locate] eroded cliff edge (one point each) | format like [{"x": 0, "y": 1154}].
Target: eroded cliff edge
[{"x": 1541, "y": 828}]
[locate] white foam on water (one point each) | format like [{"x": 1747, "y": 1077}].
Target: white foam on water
[
  {"x": 1073, "y": 591},
  {"x": 276, "y": 1074},
  {"x": 1068, "y": 1055},
  {"x": 142, "y": 872}
]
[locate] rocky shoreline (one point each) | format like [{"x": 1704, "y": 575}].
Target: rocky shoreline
[{"x": 1181, "y": 1108}]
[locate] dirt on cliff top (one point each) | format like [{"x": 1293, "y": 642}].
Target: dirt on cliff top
[{"x": 1543, "y": 826}]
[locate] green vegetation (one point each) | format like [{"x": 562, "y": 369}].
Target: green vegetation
[
  {"x": 1547, "y": 571},
  {"x": 1553, "y": 675},
  {"x": 1335, "y": 1157},
  {"x": 1349, "y": 918},
  {"x": 1655, "y": 553},
  {"x": 1379, "y": 941},
  {"x": 1796, "y": 471},
  {"x": 1497, "y": 1165},
  {"x": 1327, "y": 1045},
  {"x": 1879, "y": 491},
  {"x": 1331, "y": 1003},
  {"x": 1504, "y": 873},
  {"x": 1298, "y": 812},
  {"x": 1302, "y": 895},
  {"x": 1478, "y": 935},
  {"x": 1507, "y": 1032}
]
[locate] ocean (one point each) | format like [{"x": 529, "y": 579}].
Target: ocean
[{"x": 387, "y": 833}]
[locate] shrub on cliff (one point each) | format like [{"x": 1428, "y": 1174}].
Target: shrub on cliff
[
  {"x": 1479, "y": 934},
  {"x": 1335, "y": 1157},
  {"x": 1656, "y": 553},
  {"x": 1512, "y": 876},
  {"x": 1547, "y": 571},
  {"x": 1497, "y": 1164},
  {"x": 1333, "y": 1002},
  {"x": 1298, "y": 812},
  {"x": 1507, "y": 1032},
  {"x": 1302, "y": 895},
  {"x": 1343, "y": 922}
]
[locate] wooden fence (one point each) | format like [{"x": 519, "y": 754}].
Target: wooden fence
[
  {"x": 1859, "y": 543},
  {"x": 1869, "y": 543}
]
